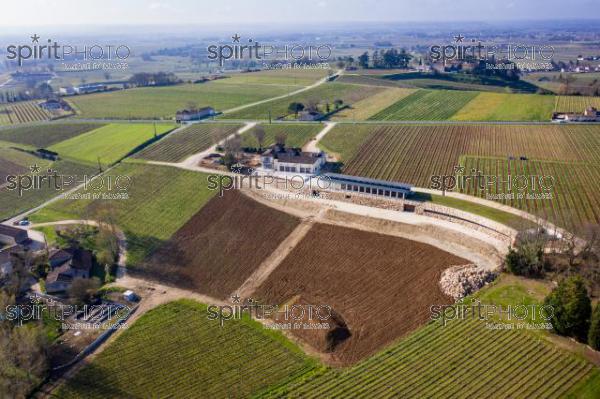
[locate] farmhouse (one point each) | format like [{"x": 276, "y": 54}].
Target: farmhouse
[
  {"x": 67, "y": 265},
  {"x": 293, "y": 160},
  {"x": 590, "y": 114},
  {"x": 10, "y": 236},
  {"x": 90, "y": 88},
  {"x": 83, "y": 89},
  {"x": 310, "y": 116},
  {"x": 187, "y": 115},
  {"x": 365, "y": 185}
]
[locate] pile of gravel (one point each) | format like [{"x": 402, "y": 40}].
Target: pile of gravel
[{"x": 460, "y": 281}]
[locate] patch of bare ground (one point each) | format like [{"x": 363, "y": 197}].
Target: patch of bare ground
[
  {"x": 220, "y": 246},
  {"x": 379, "y": 287}
]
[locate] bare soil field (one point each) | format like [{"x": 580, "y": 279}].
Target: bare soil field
[
  {"x": 379, "y": 287},
  {"x": 220, "y": 247}
]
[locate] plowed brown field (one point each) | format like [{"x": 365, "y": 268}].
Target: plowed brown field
[
  {"x": 380, "y": 287},
  {"x": 218, "y": 248}
]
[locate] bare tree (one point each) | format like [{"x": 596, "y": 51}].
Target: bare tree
[
  {"x": 312, "y": 105},
  {"x": 280, "y": 139},
  {"x": 83, "y": 290},
  {"x": 23, "y": 354},
  {"x": 259, "y": 135}
]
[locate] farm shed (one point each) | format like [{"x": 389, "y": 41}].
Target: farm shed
[{"x": 365, "y": 185}]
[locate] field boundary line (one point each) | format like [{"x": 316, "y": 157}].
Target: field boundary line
[{"x": 269, "y": 265}]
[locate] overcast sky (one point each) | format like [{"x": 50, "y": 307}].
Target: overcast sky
[{"x": 142, "y": 12}]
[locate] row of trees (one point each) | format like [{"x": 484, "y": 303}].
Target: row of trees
[
  {"x": 575, "y": 265},
  {"x": 23, "y": 347},
  {"x": 385, "y": 59},
  {"x": 570, "y": 86},
  {"x": 313, "y": 106},
  {"x": 154, "y": 79}
]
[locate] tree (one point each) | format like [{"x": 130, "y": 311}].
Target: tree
[
  {"x": 21, "y": 263},
  {"x": 23, "y": 355},
  {"x": 571, "y": 308},
  {"x": 233, "y": 145},
  {"x": 594, "y": 333},
  {"x": 83, "y": 290},
  {"x": 338, "y": 103},
  {"x": 108, "y": 237},
  {"x": 259, "y": 135},
  {"x": 295, "y": 107},
  {"x": 527, "y": 257},
  {"x": 229, "y": 160},
  {"x": 44, "y": 90},
  {"x": 363, "y": 60},
  {"x": 280, "y": 139},
  {"x": 312, "y": 105}
]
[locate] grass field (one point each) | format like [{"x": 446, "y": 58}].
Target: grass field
[
  {"x": 45, "y": 135},
  {"x": 494, "y": 214},
  {"x": 363, "y": 109},
  {"x": 174, "y": 351},
  {"x": 455, "y": 81},
  {"x": 459, "y": 81},
  {"x": 426, "y": 105},
  {"x": 490, "y": 363},
  {"x": 325, "y": 93},
  {"x": 22, "y": 112},
  {"x": 160, "y": 200},
  {"x": 287, "y": 77},
  {"x": 163, "y": 102},
  {"x": 507, "y": 107},
  {"x": 11, "y": 203},
  {"x": 414, "y": 154},
  {"x": 110, "y": 143},
  {"x": 191, "y": 140},
  {"x": 296, "y": 134}
]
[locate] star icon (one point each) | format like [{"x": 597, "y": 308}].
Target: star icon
[
  {"x": 34, "y": 168},
  {"x": 236, "y": 38},
  {"x": 235, "y": 298},
  {"x": 35, "y": 38},
  {"x": 459, "y": 169},
  {"x": 459, "y": 38}
]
